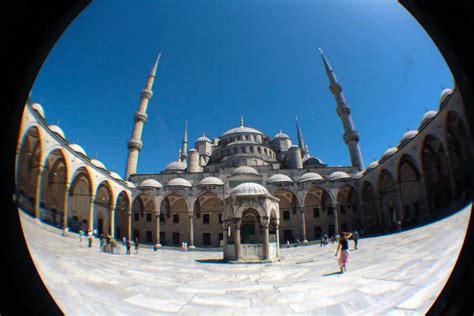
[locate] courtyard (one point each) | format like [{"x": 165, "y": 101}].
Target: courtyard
[{"x": 397, "y": 274}]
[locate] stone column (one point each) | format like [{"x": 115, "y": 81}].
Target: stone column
[
  {"x": 336, "y": 219},
  {"x": 237, "y": 224},
  {"x": 191, "y": 231},
  {"x": 38, "y": 191},
  {"x": 90, "y": 220},
  {"x": 277, "y": 235},
  {"x": 303, "y": 226},
  {"x": 224, "y": 238},
  {"x": 65, "y": 203},
  {"x": 129, "y": 227},
  {"x": 112, "y": 220},
  {"x": 157, "y": 230},
  {"x": 266, "y": 246}
]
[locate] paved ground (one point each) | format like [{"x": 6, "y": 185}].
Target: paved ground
[{"x": 399, "y": 274}]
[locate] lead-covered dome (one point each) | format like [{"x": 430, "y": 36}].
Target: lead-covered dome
[
  {"x": 373, "y": 164},
  {"x": 179, "y": 182},
  {"x": 310, "y": 176},
  {"x": 211, "y": 181},
  {"x": 176, "y": 165},
  {"x": 444, "y": 94},
  {"x": 407, "y": 136},
  {"x": 389, "y": 152},
  {"x": 56, "y": 129},
  {"x": 150, "y": 183},
  {"x": 338, "y": 175},
  {"x": 242, "y": 129},
  {"x": 279, "y": 178},
  {"x": 281, "y": 135},
  {"x": 428, "y": 116},
  {"x": 130, "y": 185},
  {"x": 78, "y": 149},
  {"x": 203, "y": 138},
  {"x": 244, "y": 170},
  {"x": 115, "y": 176},
  {"x": 38, "y": 108},
  {"x": 97, "y": 163},
  {"x": 249, "y": 189}
]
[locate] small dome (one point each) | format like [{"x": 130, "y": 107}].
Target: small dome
[
  {"x": 78, "y": 149},
  {"x": 407, "y": 136},
  {"x": 203, "y": 138},
  {"x": 310, "y": 176},
  {"x": 373, "y": 164},
  {"x": 444, "y": 95},
  {"x": 338, "y": 175},
  {"x": 149, "y": 183},
  {"x": 115, "y": 175},
  {"x": 244, "y": 170},
  {"x": 176, "y": 165},
  {"x": 279, "y": 178},
  {"x": 249, "y": 188},
  {"x": 56, "y": 129},
  {"x": 179, "y": 182},
  {"x": 281, "y": 135},
  {"x": 211, "y": 181},
  {"x": 357, "y": 175},
  {"x": 312, "y": 161},
  {"x": 38, "y": 108},
  {"x": 130, "y": 184},
  {"x": 97, "y": 163},
  {"x": 427, "y": 117},
  {"x": 389, "y": 152}
]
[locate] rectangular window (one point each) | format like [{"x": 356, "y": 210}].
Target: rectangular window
[
  {"x": 317, "y": 232},
  {"x": 316, "y": 212},
  {"x": 163, "y": 238},
  {"x": 206, "y": 239},
  {"x": 205, "y": 218},
  {"x": 149, "y": 237},
  {"x": 162, "y": 218},
  {"x": 136, "y": 216},
  {"x": 286, "y": 215},
  {"x": 331, "y": 230},
  {"x": 330, "y": 211},
  {"x": 176, "y": 240},
  {"x": 343, "y": 209},
  {"x": 148, "y": 217},
  {"x": 175, "y": 218}
]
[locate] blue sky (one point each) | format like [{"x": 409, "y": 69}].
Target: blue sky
[{"x": 223, "y": 59}]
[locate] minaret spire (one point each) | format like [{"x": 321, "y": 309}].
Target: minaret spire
[
  {"x": 300, "y": 139},
  {"x": 351, "y": 137},
  {"x": 241, "y": 121},
  {"x": 184, "y": 146},
  {"x": 135, "y": 143}
]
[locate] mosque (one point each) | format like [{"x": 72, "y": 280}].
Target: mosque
[{"x": 245, "y": 191}]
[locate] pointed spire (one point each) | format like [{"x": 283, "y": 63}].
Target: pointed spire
[
  {"x": 185, "y": 136},
  {"x": 241, "y": 121},
  {"x": 184, "y": 146},
  {"x": 327, "y": 66},
  {"x": 300, "y": 138},
  {"x": 155, "y": 66}
]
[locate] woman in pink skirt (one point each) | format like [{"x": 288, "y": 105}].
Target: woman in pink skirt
[{"x": 344, "y": 245}]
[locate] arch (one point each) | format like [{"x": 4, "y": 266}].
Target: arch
[
  {"x": 435, "y": 175},
  {"x": 122, "y": 209},
  {"x": 28, "y": 169},
  {"x": 348, "y": 208},
  {"x": 371, "y": 218},
  {"x": 208, "y": 218},
  {"x": 80, "y": 193},
  {"x": 250, "y": 229},
  {"x": 175, "y": 219},
  {"x": 318, "y": 208},
  {"x": 411, "y": 189},
  {"x": 143, "y": 218},
  {"x": 387, "y": 191},
  {"x": 102, "y": 208},
  {"x": 53, "y": 188}
]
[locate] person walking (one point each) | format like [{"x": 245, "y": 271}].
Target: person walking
[
  {"x": 128, "y": 245},
  {"x": 287, "y": 243},
  {"x": 344, "y": 246},
  {"x": 81, "y": 234},
  {"x": 108, "y": 241},
  {"x": 355, "y": 237},
  {"x": 137, "y": 245},
  {"x": 90, "y": 237},
  {"x": 102, "y": 242}
]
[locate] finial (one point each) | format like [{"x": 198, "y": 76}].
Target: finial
[
  {"x": 241, "y": 121},
  {"x": 155, "y": 66}
]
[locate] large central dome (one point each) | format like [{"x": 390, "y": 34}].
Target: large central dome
[{"x": 242, "y": 129}]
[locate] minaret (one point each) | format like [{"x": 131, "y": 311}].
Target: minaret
[
  {"x": 241, "y": 121},
  {"x": 184, "y": 146},
  {"x": 135, "y": 143},
  {"x": 300, "y": 139},
  {"x": 351, "y": 137}
]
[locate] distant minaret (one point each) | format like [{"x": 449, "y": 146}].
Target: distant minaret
[
  {"x": 300, "y": 139},
  {"x": 135, "y": 143},
  {"x": 184, "y": 146},
  {"x": 351, "y": 137}
]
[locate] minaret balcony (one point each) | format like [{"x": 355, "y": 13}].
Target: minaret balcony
[
  {"x": 135, "y": 144},
  {"x": 352, "y": 136},
  {"x": 141, "y": 116},
  {"x": 146, "y": 94}
]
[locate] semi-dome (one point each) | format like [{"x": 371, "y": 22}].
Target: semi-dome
[
  {"x": 373, "y": 164},
  {"x": 150, "y": 183},
  {"x": 179, "y": 182},
  {"x": 389, "y": 152},
  {"x": 279, "y": 178},
  {"x": 38, "y": 108},
  {"x": 249, "y": 189},
  {"x": 56, "y": 129},
  {"x": 244, "y": 170},
  {"x": 211, "y": 181},
  {"x": 78, "y": 149},
  {"x": 310, "y": 176},
  {"x": 203, "y": 138},
  {"x": 444, "y": 95},
  {"x": 130, "y": 184},
  {"x": 407, "y": 136},
  {"x": 176, "y": 165},
  {"x": 115, "y": 175},
  {"x": 428, "y": 116},
  {"x": 281, "y": 135},
  {"x": 97, "y": 163},
  {"x": 242, "y": 129},
  {"x": 338, "y": 175}
]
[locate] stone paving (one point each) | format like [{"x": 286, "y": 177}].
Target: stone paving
[{"x": 398, "y": 274}]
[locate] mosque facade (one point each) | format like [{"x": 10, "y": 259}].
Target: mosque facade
[{"x": 247, "y": 188}]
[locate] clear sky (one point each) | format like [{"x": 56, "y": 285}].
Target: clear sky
[{"x": 223, "y": 59}]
